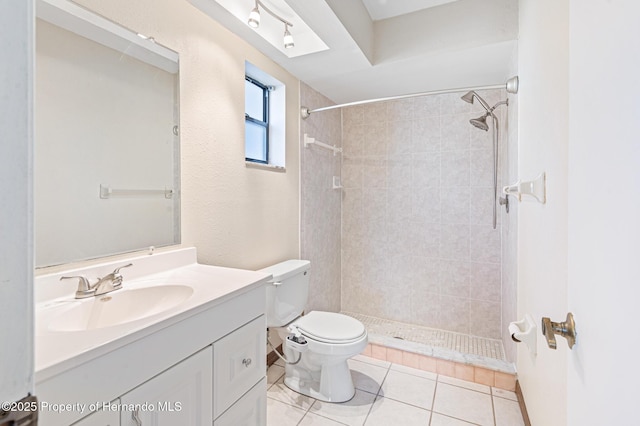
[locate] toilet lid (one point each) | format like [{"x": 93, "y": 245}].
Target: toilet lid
[{"x": 330, "y": 327}]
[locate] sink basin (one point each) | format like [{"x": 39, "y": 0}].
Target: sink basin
[{"x": 119, "y": 307}]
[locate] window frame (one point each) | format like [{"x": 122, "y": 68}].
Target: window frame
[{"x": 263, "y": 123}]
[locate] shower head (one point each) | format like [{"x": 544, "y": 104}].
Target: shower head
[
  {"x": 468, "y": 97},
  {"x": 480, "y": 122}
]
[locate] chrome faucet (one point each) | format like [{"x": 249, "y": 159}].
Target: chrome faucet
[{"x": 106, "y": 284}]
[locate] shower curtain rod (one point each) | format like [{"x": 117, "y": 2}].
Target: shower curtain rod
[{"x": 306, "y": 112}]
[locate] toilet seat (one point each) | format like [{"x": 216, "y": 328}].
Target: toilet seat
[{"x": 330, "y": 327}]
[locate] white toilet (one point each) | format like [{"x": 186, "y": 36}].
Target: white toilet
[{"x": 320, "y": 342}]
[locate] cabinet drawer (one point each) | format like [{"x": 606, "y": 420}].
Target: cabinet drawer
[
  {"x": 239, "y": 363},
  {"x": 250, "y": 410}
]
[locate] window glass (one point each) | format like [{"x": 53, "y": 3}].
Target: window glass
[
  {"x": 254, "y": 100},
  {"x": 256, "y": 109},
  {"x": 255, "y": 142}
]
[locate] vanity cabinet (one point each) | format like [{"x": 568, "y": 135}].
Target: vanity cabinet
[
  {"x": 204, "y": 366},
  {"x": 250, "y": 410},
  {"x": 225, "y": 381},
  {"x": 101, "y": 418},
  {"x": 179, "y": 396},
  {"x": 238, "y": 360}
]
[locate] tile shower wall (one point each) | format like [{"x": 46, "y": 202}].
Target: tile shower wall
[
  {"x": 417, "y": 238},
  {"x": 320, "y": 206}
]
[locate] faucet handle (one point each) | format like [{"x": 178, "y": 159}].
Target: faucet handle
[
  {"x": 84, "y": 287},
  {"x": 116, "y": 277},
  {"x": 117, "y": 270}
]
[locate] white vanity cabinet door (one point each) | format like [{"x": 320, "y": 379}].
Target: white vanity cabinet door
[
  {"x": 101, "y": 418},
  {"x": 180, "y": 395},
  {"x": 250, "y": 410},
  {"x": 239, "y": 363}
]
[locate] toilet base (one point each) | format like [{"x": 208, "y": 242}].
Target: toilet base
[{"x": 332, "y": 384}]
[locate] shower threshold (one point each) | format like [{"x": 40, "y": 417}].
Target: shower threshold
[{"x": 441, "y": 344}]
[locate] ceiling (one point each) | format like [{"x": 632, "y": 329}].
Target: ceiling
[
  {"x": 384, "y": 9},
  {"x": 380, "y": 48}
]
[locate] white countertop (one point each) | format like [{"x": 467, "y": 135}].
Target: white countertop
[{"x": 58, "y": 351}]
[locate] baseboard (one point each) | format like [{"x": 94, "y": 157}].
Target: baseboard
[
  {"x": 272, "y": 357},
  {"x": 523, "y": 407}
]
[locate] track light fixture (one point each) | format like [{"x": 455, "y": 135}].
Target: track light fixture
[
  {"x": 254, "y": 17},
  {"x": 254, "y": 22},
  {"x": 288, "y": 38}
]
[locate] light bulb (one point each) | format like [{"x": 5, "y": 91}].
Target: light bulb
[
  {"x": 288, "y": 38},
  {"x": 254, "y": 18}
]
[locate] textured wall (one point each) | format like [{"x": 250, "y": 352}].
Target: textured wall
[
  {"x": 417, "y": 237},
  {"x": 510, "y": 224},
  {"x": 234, "y": 215},
  {"x": 320, "y": 208}
]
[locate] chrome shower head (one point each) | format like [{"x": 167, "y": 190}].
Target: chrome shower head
[
  {"x": 480, "y": 122},
  {"x": 469, "y": 97}
]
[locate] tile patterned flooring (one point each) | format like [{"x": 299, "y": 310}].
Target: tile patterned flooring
[
  {"x": 393, "y": 394},
  {"x": 473, "y": 345}
]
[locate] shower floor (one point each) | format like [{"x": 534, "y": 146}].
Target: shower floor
[{"x": 448, "y": 345}]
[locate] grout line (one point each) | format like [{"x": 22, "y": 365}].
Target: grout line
[
  {"x": 433, "y": 401},
  {"x": 493, "y": 410},
  {"x": 375, "y": 398}
]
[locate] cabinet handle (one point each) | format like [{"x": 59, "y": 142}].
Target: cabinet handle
[
  {"x": 246, "y": 362},
  {"x": 136, "y": 417}
]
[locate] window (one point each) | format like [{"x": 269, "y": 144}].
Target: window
[
  {"x": 256, "y": 117},
  {"x": 265, "y": 120}
]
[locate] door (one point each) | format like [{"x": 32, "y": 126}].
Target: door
[
  {"x": 604, "y": 212},
  {"x": 181, "y": 395},
  {"x": 543, "y": 139},
  {"x": 16, "y": 213}
]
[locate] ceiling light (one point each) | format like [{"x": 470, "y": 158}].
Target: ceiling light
[
  {"x": 254, "y": 17},
  {"x": 254, "y": 22},
  {"x": 288, "y": 38}
]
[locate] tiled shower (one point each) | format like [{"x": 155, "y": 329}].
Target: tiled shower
[{"x": 416, "y": 237}]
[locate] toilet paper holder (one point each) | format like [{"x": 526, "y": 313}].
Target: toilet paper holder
[{"x": 525, "y": 331}]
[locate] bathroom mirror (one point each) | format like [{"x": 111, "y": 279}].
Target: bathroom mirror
[{"x": 106, "y": 158}]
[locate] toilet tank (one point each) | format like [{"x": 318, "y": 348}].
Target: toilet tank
[{"x": 287, "y": 291}]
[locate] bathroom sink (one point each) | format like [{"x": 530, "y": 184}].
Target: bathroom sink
[{"x": 119, "y": 307}]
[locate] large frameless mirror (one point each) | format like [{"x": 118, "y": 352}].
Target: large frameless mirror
[{"x": 106, "y": 160}]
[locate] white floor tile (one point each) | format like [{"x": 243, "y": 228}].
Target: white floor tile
[
  {"x": 281, "y": 414},
  {"x": 464, "y": 384},
  {"x": 352, "y": 412},
  {"x": 442, "y": 420},
  {"x": 387, "y": 412},
  {"x": 409, "y": 389},
  {"x": 373, "y": 361},
  {"x": 274, "y": 373},
  {"x": 507, "y": 412},
  {"x": 311, "y": 419},
  {"x": 414, "y": 371},
  {"x": 504, "y": 394},
  {"x": 282, "y": 393},
  {"x": 367, "y": 377},
  {"x": 464, "y": 404}
]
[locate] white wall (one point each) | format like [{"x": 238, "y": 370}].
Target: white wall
[
  {"x": 543, "y": 67},
  {"x": 234, "y": 215},
  {"x": 16, "y": 209}
]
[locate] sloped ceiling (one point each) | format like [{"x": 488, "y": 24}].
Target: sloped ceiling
[{"x": 408, "y": 46}]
